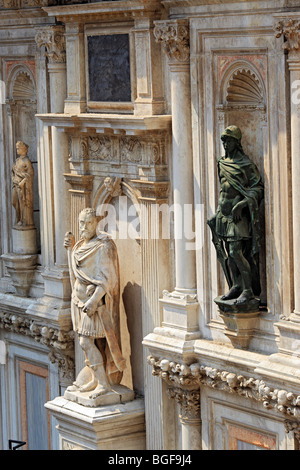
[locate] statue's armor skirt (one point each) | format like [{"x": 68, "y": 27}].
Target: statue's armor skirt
[
  {"x": 229, "y": 230},
  {"x": 82, "y": 323}
]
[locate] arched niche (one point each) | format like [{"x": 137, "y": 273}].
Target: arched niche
[
  {"x": 121, "y": 200},
  {"x": 21, "y": 104},
  {"x": 243, "y": 102}
]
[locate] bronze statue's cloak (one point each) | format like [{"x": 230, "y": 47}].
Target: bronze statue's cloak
[{"x": 243, "y": 175}]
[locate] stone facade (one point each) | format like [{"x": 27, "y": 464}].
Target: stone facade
[{"x": 140, "y": 146}]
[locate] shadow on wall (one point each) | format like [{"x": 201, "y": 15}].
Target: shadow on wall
[{"x": 132, "y": 302}]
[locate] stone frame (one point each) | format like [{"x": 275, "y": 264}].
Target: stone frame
[{"x": 111, "y": 106}]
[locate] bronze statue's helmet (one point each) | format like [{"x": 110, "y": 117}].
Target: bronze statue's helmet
[{"x": 232, "y": 131}]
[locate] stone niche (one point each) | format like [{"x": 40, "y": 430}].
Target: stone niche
[
  {"x": 122, "y": 222},
  {"x": 242, "y": 101},
  {"x": 21, "y": 105}
]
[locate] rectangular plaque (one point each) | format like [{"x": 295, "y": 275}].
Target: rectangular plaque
[{"x": 109, "y": 68}]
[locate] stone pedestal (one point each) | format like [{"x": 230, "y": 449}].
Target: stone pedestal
[
  {"x": 21, "y": 263},
  {"x": 113, "y": 427},
  {"x": 21, "y": 269},
  {"x": 240, "y": 326},
  {"x": 118, "y": 394},
  {"x": 24, "y": 240}
]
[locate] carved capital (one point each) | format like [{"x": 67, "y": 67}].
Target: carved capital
[
  {"x": 189, "y": 401},
  {"x": 174, "y": 36},
  {"x": 290, "y": 29},
  {"x": 293, "y": 426},
  {"x": 53, "y": 38}
]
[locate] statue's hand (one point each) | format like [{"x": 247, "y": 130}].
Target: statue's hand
[
  {"x": 69, "y": 240},
  {"x": 90, "y": 307},
  {"x": 237, "y": 210}
]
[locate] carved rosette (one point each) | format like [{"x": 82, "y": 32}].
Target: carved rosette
[
  {"x": 174, "y": 36},
  {"x": 53, "y": 38},
  {"x": 290, "y": 29}
]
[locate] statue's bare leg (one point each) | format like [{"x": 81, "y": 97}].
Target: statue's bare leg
[
  {"x": 99, "y": 383},
  {"x": 236, "y": 253},
  {"x": 236, "y": 288}
]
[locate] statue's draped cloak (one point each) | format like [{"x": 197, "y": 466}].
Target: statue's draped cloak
[
  {"x": 96, "y": 264},
  {"x": 243, "y": 175}
]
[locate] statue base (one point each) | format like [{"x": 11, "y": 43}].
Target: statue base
[
  {"x": 113, "y": 427},
  {"x": 21, "y": 269},
  {"x": 228, "y": 306},
  {"x": 118, "y": 394},
  {"x": 241, "y": 320},
  {"x": 24, "y": 240}
]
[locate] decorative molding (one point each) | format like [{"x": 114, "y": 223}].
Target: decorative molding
[
  {"x": 53, "y": 38},
  {"x": 174, "y": 37},
  {"x": 147, "y": 150},
  {"x": 60, "y": 343},
  {"x": 191, "y": 377}
]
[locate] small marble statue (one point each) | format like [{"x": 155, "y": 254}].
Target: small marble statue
[
  {"x": 22, "y": 177},
  {"x": 235, "y": 226},
  {"x": 94, "y": 273}
]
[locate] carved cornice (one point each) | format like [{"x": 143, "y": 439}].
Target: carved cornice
[
  {"x": 53, "y": 38},
  {"x": 174, "y": 36},
  {"x": 289, "y": 28},
  {"x": 60, "y": 343},
  {"x": 191, "y": 377}
]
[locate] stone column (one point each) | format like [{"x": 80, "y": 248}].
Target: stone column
[
  {"x": 76, "y": 99},
  {"x": 149, "y": 81},
  {"x": 189, "y": 416},
  {"x": 155, "y": 265},
  {"x": 174, "y": 37},
  {"x": 57, "y": 284},
  {"x": 290, "y": 30}
]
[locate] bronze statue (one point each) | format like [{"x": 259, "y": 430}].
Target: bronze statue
[
  {"x": 235, "y": 226},
  {"x": 22, "y": 177},
  {"x": 94, "y": 272}
]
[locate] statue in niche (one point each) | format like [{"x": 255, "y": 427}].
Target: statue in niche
[
  {"x": 94, "y": 273},
  {"x": 235, "y": 226},
  {"x": 22, "y": 177}
]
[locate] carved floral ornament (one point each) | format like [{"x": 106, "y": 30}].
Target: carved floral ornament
[
  {"x": 53, "y": 38},
  {"x": 190, "y": 378},
  {"x": 174, "y": 37},
  {"x": 290, "y": 29}
]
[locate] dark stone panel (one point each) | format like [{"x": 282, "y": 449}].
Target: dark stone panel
[{"x": 109, "y": 68}]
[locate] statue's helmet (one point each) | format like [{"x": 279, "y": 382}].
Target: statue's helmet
[{"x": 232, "y": 131}]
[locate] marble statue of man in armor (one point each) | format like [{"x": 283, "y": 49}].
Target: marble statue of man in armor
[
  {"x": 94, "y": 273},
  {"x": 235, "y": 226}
]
